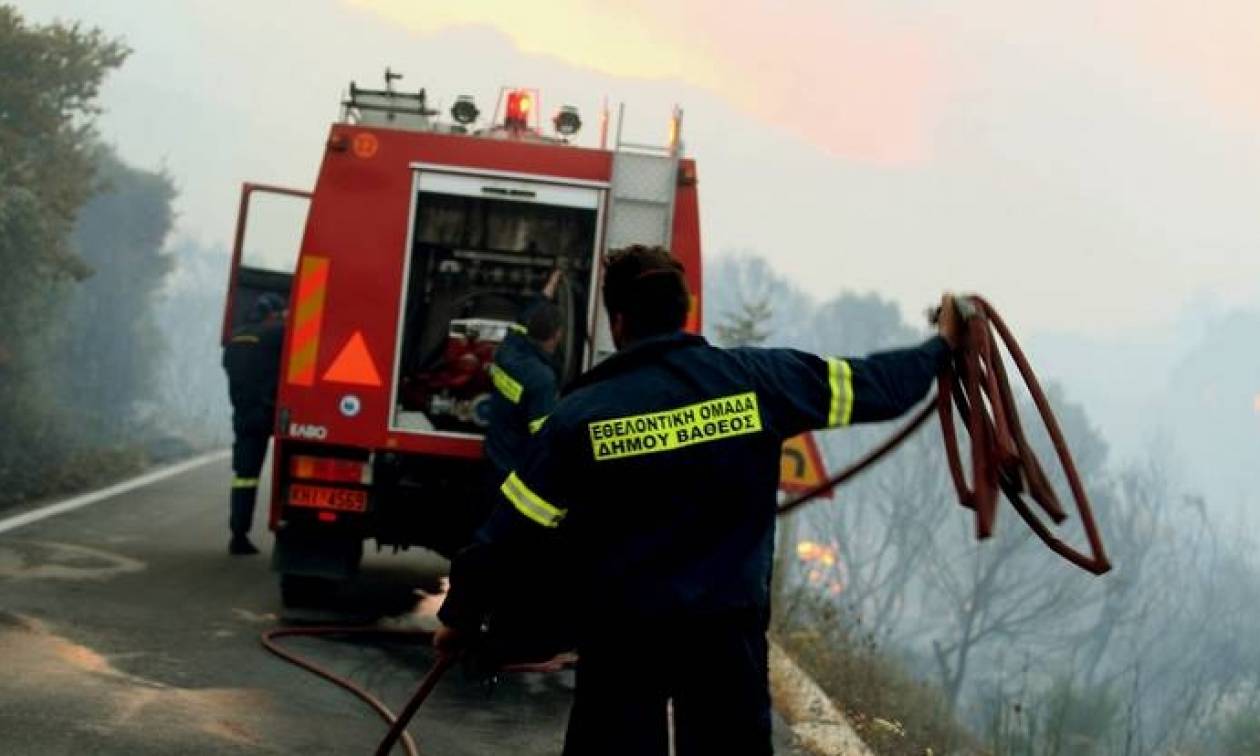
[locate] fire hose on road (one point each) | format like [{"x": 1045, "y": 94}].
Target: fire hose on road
[
  {"x": 1002, "y": 460},
  {"x": 398, "y": 723}
]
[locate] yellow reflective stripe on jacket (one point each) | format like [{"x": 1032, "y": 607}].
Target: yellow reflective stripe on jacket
[
  {"x": 840, "y": 376},
  {"x": 245, "y": 338},
  {"x": 518, "y": 328},
  {"x": 506, "y": 384},
  {"x": 531, "y": 504},
  {"x": 536, "y": 424},
  {"x": 711, "y": 420},
  {"x": 244, "y": 482}
]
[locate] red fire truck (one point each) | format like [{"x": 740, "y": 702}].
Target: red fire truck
[{"x": 421, "y": 241}]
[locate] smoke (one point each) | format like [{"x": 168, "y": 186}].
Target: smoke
[{"x": 192, "y": 394}]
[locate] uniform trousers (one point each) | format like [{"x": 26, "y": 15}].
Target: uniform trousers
[
  {"x": 249, "y": 449},
  {"x": 713, "y": 670}
]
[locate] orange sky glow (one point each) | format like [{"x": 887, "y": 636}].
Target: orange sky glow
[
  {"x": 1213, "y": 54},
  {"x": 854, "y": 84},
  {"x": 860, "y": 80}
]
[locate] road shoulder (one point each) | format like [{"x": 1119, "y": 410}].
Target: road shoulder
[{"x": 817, "y": 725}]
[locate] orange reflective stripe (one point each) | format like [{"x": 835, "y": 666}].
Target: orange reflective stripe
[
  {"x": 308, "y": 318},
  {"x": 308, "y": 309}
]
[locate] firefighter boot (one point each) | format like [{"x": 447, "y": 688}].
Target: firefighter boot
[{"x": 242, "y": 516}]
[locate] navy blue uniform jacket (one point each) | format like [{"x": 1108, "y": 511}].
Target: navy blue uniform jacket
[
  {"x": 525, "y": 392},
  {"x": 656, "y": 477},
  {"x": 252, "y": 361}
]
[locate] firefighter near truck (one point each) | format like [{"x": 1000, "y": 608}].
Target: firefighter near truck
[
  {"x": 421, "y": 243},
  {"x": 424, "y": 236}
]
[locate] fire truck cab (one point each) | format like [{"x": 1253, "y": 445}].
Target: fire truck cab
[{"x": 421, "y": 242}]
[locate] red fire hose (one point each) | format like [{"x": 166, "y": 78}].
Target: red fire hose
[
  {"x": 397, "y": 730},
  {"x": 397, "y": 724},
  {"x": 975, "y": 382}
]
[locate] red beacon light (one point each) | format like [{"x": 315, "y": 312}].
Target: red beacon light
[{"x": 519, "y": 104}]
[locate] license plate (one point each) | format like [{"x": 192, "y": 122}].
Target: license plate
[{"x": 319, "y": 497}]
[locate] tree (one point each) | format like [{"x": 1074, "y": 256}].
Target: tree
[
  {"x": 1192, "y": 652},
  {"x": 1067, "y": 718},
  {"x": 1170, "y": 632},
  {"x": 52, "y": 75},
  {"x": 48, "y": 104},
  {"x": 747, "y": 326},
  {"x": 48, "y": 107},
  {"x": 1241, "y": 735},
  {"x": 733, "y": 283},
  {"x": 884, "y": 520},
  {"x": 112, "y": 352},
  {"x": 984, "y": 596}
]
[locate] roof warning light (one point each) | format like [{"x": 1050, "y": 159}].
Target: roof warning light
[{"x": 519, "y": 105}]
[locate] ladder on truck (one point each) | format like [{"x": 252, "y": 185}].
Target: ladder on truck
[
  {"x": 640, "y": 204},
  {"x": 641, "y": 194}
]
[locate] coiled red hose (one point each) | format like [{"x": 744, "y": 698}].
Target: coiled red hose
[{"x": 975, "y": 382}]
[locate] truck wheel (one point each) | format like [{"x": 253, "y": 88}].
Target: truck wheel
[{"x": 306, "y": 591}]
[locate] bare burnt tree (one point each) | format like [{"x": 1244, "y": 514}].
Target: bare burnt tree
[
  {"x": 885, "y": 523},
  {"x": 985, "y": 597}
]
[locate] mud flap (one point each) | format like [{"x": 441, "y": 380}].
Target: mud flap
[{"x": 330, "y": 556}]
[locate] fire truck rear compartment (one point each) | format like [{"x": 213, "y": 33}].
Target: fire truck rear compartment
[{"x": 482, "y": 250}]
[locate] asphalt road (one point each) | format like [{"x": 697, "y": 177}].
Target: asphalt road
[{"x": 126, "y": 629}]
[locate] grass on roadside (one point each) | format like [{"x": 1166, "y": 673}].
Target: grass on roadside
[
  {"x": 40, "y": 478},
  {"x": 895, "y": 714}
]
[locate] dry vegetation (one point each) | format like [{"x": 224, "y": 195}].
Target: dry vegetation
[{"x": 895, "y": 714}]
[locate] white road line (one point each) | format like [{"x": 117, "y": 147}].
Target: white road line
[{"x": 78, "y": 502}]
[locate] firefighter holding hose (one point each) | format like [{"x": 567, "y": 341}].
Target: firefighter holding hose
[{"x": 654, "y": 481}]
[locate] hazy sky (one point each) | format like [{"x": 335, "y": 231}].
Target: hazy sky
[{"x": 1087, "y": 164}]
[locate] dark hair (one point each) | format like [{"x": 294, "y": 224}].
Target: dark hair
[
  {"x": 543, "y": 321},
  {"x": 645, "y": 285}
]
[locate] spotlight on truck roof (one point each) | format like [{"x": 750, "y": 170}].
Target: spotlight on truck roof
[
  {"x": 567, "y": 121},
  {"x": 464, "y": 111}
]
